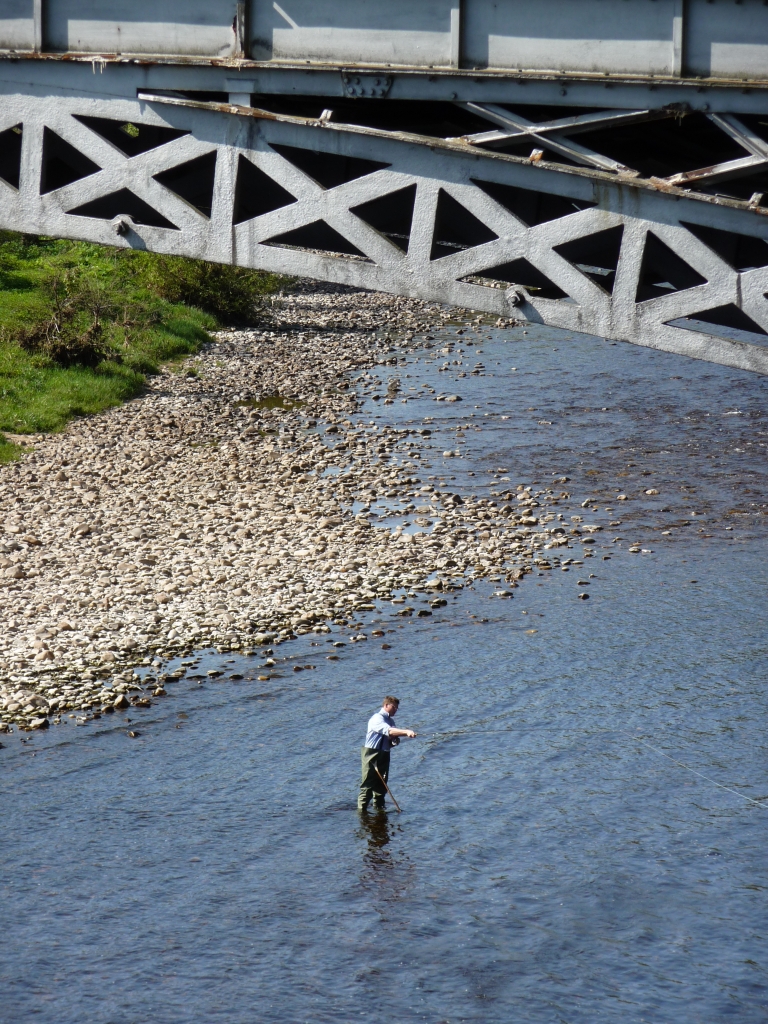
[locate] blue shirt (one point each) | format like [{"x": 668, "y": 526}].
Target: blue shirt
[{"x": 378, "y": 731}]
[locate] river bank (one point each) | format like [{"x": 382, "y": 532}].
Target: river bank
[{"x": 230, "y": 506}]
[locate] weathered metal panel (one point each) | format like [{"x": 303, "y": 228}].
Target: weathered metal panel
[
  {"x": 397, "y": 32},
  {"x": 17, "y": 25},
  {"x": 633, "y": 36},
  {"x": 726, "y": 39},
  {"x": 716, "y": 39},
  {"x": 199, "y": 27}
]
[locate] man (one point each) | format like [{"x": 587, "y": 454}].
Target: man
[{"x": 381, "y": 737}]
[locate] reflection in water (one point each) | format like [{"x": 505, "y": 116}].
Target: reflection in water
[{"x": 383, "y": 864}]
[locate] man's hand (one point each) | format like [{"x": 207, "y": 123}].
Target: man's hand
[{"x": 410, "y": 734}]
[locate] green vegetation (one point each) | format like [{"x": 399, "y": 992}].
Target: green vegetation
[{"x": 82, "y": 325}]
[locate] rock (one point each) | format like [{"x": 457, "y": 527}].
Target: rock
[
  {"x": 121, "y": 702},
  {"x": 225, "y": 525},
  {"x": 38, "y": 723}
]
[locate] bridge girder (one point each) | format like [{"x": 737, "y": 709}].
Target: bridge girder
[{"x": 592, "y": 248}]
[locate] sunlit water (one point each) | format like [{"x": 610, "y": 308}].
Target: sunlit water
[{"x": 550, "y": 863}]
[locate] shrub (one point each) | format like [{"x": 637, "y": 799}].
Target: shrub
[{"x": 234, "y": 295}]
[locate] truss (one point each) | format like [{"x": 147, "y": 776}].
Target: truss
[{"x": 518, "y": 218}]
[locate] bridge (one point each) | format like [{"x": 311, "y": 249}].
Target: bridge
[{"x": 594, "y": 165}]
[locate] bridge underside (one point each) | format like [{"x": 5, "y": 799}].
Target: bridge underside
[{"x": 644, "y": 224}]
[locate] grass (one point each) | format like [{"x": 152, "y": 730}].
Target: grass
[{"x": 82, "y": 325}]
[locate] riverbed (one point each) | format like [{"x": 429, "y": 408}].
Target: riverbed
[{"x": 584, "y": 812}]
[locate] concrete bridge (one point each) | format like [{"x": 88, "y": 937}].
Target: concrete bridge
[{"x": 595, "y": 165}]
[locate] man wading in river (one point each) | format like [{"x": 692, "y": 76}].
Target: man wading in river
[{"x": 381, "y": 737}]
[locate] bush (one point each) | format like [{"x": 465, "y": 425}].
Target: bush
[
  {"x": 74, "y": 334},
  {"x": 231, "y": 294}
]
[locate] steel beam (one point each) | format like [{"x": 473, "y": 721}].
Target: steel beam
[
  {"x": 579, "y": 248},
  {"x": 122, "y": 75}
]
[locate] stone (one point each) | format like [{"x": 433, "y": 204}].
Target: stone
[{"x": 204, "y": 535}]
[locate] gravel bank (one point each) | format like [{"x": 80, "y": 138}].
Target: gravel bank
[{"x": 229, "y": 506}]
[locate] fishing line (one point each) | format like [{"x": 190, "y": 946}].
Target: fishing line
[
  {"x": 758, "y": 803},
  {"x": 701, "y": 774}
]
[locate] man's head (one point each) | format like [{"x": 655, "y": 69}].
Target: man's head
[{"x": 390, "y": 705}]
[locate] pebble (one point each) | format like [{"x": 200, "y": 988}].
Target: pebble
[{"x": 216, "y": 510}]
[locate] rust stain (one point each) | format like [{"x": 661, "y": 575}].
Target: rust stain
[
  {"x": 434, "y": 74},
  {"x": 626, "y": 177}
]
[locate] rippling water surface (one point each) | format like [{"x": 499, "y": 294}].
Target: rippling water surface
[{"x": 550, "y": 863}]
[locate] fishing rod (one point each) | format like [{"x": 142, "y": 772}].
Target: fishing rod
[{"x": 397, "y": 805}]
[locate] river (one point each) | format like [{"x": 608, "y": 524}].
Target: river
[{"x": 583, "y": 831}]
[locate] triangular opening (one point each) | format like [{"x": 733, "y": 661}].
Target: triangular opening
[
  {"x": 317, "y": 235},
  {"x": 531, "y": 207},
  {"x": 728, "y": 315},
  {"x": 522, "y": 272},
  {"x": 256, "y": 193},
  {"x": 391, "y": 214},
  {"x": 742, "y": 252},
  {"x": 192, "y": 181},
  {"x": 123, "y": 202},
  {"x": 596, "y": 256},
  {"x": 10, "y": 155},
  {"x": 128, "y": 137},
  {"x": 328, "y": 169},
  {"x": 456, "y": 228},
  {"x": 62, "y": 164},
  {"x": 663, "y": 271}
]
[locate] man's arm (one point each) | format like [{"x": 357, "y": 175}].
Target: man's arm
[{"x": 393, "y": 733}]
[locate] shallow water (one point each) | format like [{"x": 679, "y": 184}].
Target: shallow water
[{"x": 550, "y": 863}]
